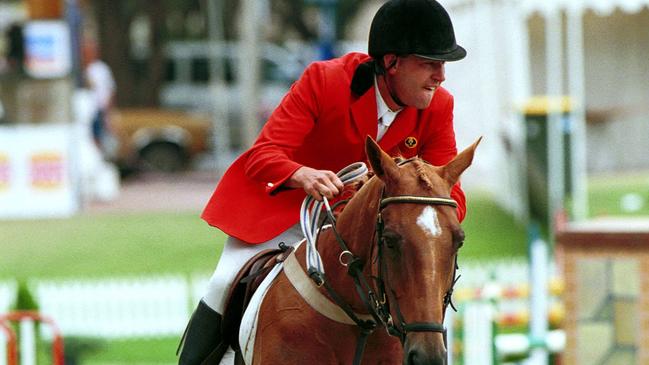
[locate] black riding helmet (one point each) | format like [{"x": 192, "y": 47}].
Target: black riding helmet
[{"x": 418, "y": 27}]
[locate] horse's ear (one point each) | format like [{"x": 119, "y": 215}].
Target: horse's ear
[
  {"x": 452, "y": 171},
  {"x": 382, "y": 164}
]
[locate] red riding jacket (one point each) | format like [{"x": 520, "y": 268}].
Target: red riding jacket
[{"x": 322, "y": 123}]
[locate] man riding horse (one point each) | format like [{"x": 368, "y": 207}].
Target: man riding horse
[{"x": 394, "y": 95}]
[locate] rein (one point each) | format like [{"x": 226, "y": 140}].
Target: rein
[{"x": 377, "y": 304}]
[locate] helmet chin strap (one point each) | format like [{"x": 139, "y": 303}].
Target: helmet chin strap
[{"x": 393, "y": 95}]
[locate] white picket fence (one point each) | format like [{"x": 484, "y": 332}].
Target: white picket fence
[
  {"x": 7, "y": 295},
  {"x": 141, "y": 307},
  {"x": 160, "y": 306}
]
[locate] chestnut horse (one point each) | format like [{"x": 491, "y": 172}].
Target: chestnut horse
[{"x": 398, "y": 237}]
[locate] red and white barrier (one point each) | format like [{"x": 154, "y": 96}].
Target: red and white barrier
[
  {"x": 27, "y": 340},
  {"x": 8, "y": 353}
]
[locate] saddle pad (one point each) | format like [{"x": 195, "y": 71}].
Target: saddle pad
[{"x": 248, "y": 328}]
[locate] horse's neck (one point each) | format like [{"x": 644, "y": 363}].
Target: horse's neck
[
  {"x": 356, "y": 226},
  {"x": 356, "y": 223}
]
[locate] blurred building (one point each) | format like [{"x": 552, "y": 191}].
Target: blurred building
[
  {"x": 48, "y": 162},
  {"x": 595, "y": 51}
]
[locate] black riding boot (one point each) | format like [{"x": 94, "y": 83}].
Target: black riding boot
[{"x": 202, "y": 342}]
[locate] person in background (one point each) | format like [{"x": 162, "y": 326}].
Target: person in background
[
  {"x": 11, "y": 73},
  {"x": 394, "y": 95},
  {"x": 100, "y": 81}
]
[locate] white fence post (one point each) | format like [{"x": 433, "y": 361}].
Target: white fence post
[
  {"x": 539, "y": 302},
  {"x": 478, "y": 333},
  {"x": 449, "y": 323},
  {"x": 27, "y": 342},
  {"x": 3, "y": 348},
  {"x": 117, "y": 308}
]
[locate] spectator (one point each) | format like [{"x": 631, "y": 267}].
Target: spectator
[{"x": 99, "y": 79}]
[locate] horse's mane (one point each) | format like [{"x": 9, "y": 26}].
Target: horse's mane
[
  {"x": 423, "y": 171},
  {"x": 421, "y": 168}
]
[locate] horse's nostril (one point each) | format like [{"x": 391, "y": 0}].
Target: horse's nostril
[
  {"x": 412, "y": 358},
  {"x": 415, "y": 357}
]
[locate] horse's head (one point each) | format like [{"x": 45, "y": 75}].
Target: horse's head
[{"x": 419, "y": 237}]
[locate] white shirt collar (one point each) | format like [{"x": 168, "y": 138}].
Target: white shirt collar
[{"x": 382, "y": 109}]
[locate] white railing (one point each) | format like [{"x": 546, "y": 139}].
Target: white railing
[
  {"x": 161, "y": 305},
  {"x": 7, "y": 295},
  {"x": 148, "y": 307},
  {"x": 120, "y": 308}
]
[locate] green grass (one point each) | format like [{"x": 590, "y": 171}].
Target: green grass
[
  {"x": 139, "y": 352},
  {"x": 108, "y": 245},
  {"x": 159, "y": 351},
  {"x": 135, "y": 244},
  {"x": 606, "y": 193},
  {"x": 491, "y": 233}
]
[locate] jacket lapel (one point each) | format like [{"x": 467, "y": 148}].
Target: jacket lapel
[
  {"x": 401, "y": 128},
  {"x": 364, "y": 115}
]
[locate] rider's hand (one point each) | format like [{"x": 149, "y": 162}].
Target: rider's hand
[{"x": 317, "y": 183}]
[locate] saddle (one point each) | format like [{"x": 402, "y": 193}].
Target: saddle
[{"x": 244, "y": 286}]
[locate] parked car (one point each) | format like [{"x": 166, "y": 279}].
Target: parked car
[
  {"x": 188, "y": 76},
  {"x": 158, "y": 139}
]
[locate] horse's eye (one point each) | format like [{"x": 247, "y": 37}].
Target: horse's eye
[
  {"x": 391, "y": 239},
  {"x": 458, "y": 237}
]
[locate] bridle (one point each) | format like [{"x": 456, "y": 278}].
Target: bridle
[
  {"x": 379, "y": 303},
  {"x": 401, "y": 328}
]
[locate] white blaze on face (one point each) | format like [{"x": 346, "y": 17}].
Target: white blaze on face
[{"x": 428, "y": 222}]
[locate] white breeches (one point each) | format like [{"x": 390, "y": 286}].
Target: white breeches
[{"x": 235, "y": 254}]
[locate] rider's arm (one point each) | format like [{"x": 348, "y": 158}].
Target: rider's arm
[{"x": 271, "y": 160}]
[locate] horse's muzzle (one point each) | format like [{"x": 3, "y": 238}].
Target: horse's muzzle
[
  {"x": 424, "y": 352},
  {"x": 415, "y": 357}
]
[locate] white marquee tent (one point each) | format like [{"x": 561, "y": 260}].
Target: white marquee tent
[{"x": 593, "y": 50}]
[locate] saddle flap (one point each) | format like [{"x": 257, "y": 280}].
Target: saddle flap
[{"x": 243, "y": 287}]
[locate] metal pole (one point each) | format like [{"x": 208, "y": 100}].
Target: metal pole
[
  {"x": 248, "y": 70},
  {"x": 554, "y": 85},
  {"x": 449, "y": 323},
  {"x": 538, "y": 253},
  {"x": 538, "y": 249},
  {"x": 220, "y": 122},
  {"x": 521, "y": 92},
  {"x": 575, "y": 47},
  {"x": 78, "y": 128}
]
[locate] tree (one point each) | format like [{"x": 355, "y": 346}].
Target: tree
[{"x": 139, "y": 78}]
